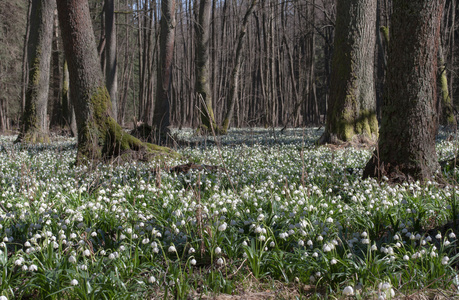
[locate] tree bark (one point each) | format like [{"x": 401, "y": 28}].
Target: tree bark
[
  {"x": 352, "y": 102},
  {"x": 406, "y": 147},
  {"x": 99, "y": 135},
  {"x": 34, "y": 127},
  {"x": 161, "y": 117}
]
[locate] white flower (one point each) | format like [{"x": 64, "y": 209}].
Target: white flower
[
  {"x": 18, "y": 262},
  {"x": 374, "y": 247},
  {"x": 74, "y": 282},
  {"x": 218, "y": 250},
  {"x": 320, "y": 238},
  {"x": 220, "y": 261},
  {"x": 222, "y": 227},
  {"x": 152, "y": 279},
  {"x": 272, "y": 244},
  {"x": 86, "y": 252},
  {"x": 172, "y": 249},
  {"x": 111, "y": 256},
  {"x": 25, "y": 268},
  {"x": 444, "y": 260},
  {"x": 406, "y": 257},
  {"x": 145, "y": 241},
  {"x": 301, "y": 243},
  {"x": 193, "y": 261},
  {"x": 261, "y": 238},
  {"x": 327, "y": 248},
  {"x": 33, "y": 268},
  {"x": 309, "y": 243},
  {"x": 333, "y": 262},
  {"x": 72, "y": 259},
  {"x": 446, "y": 243},
  {"x": 3, "y": 298},
  {"x": 452, "y": 235},
  {"x": 438, "y": 236},
  {"x": 348, "y": 291},
  {"x": 364, "y": 234},
  {"x": 365, "y": 241}
]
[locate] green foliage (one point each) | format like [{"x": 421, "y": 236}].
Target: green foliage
[{"x": 122, "y": 231}]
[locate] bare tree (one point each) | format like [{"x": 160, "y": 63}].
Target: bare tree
[
  {"x": 161, "y": 117},
  {"x": 111, "y": 66},
  {"x": 234, "y": 83},
  {"x": 34, "y": 127},
  {"x": 406, "y": 147},
  {"x": 202, "y": 87},
  {"x": 352, "y": 102},
  {"x": 99, "y": 135}
]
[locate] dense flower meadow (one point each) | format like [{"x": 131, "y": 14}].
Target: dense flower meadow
[{"x": 277, "y": 210}]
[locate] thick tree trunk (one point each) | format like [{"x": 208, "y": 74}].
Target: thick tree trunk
[
  {"x": 352, "y": 102},
  {"x": 34, "y": 128},
  {"x": 232, "y": 96},
  {"x": 99, "y": 136},
  {"x": 111, "y": 72},
  {"x": 161, "y": 117},
  {"x": 202, "y": 87},
  {"x": 409, "y": 118}
]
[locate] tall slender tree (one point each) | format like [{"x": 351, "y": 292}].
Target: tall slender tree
[
  {"x": 202, "y": 87},
  {"x": 99, "y": 135},
  {"x": 161, "y": 117},
  {"x": 406, "y": 147},
  {"x": 111, "y": 69},
  {"x": 352, "y": 102},
  {"x": 234, "y": 81},
  {"x": 34, "y": 125}
]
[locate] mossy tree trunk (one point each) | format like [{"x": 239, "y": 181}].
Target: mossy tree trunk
[
  {"x": 34, "y": 125},
  {"x": 232, "y": 96},
  {"x": 202, "y": 88},
  {"x": 161, "y": 116},
  {"x": 99, "y": 135},
  {"x": 352, "y": 101},
  {"x": 406, "y": 147}
]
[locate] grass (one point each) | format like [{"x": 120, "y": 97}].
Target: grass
[{"x": 282, "y": 219}]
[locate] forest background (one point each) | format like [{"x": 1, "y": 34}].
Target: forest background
[{"x": 285, "y": 69}]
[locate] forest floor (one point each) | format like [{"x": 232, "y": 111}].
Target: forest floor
[{"x": 276, "y": 217}]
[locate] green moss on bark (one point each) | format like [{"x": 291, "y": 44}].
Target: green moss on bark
[{"x": 103, "y": 138}]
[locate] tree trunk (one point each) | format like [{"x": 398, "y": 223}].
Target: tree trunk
[
  {"x": 447, "y": 117},
  {"x": 111, "y": 72},
  {"x": 161, "y": 117},
  {"x": 232, "y": 96},
  {"x": 202, "y": 88},
  {"x": 352, "y": 102},
  {"x": 99, "y": 136},
  {"x": 34, "y": 128},
  {"x": 57, "y": 118},
  {"x": 406, "y": 147}
]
